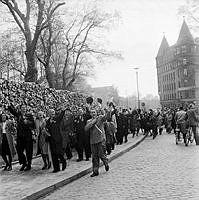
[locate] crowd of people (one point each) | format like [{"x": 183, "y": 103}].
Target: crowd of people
[{"x": 59, "y": 121}]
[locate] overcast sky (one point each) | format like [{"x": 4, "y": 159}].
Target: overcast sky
[{"x": 138, "y": 36}]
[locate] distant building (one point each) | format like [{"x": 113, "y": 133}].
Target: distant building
[
  {"x": 106, "y": 93},
  {"x": 178, "y": 70}
]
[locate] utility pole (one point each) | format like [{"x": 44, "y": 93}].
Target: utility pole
[{"x": 138, "y": 95}]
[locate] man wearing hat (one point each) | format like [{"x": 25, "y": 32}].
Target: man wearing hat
[
  {"x": 55, "y": 139},
  {"x": 95, "y": 126}
]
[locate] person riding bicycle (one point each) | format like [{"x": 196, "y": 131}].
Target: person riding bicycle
[
  {"x": 193, "y": 121},
  {"x": 180, "y": 118}
]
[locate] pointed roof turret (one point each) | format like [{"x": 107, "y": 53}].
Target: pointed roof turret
[
  {"x": 164, "y": 45},
  {"x": 185, "y": 34}
]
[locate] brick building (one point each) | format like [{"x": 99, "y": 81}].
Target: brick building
[{"x": 178, "y": 70}]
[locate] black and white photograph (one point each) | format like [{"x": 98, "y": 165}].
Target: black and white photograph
[{"x": 99, "y": 99}]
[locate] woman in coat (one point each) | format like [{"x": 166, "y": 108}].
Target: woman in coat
[
  {"x": 7, "y": 131},
  {"x": 40, "y": 125}
]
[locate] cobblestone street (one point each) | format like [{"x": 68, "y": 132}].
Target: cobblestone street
[
  {"x": 23, "y": 185},
  {"x": 156, "y": 169}
]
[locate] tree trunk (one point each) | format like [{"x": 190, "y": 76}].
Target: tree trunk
[
  {"x": 70, "y": 84},
  {"x": 64, "y": 79},
  {"x": 50, "y": 77},
  {"x": 32, "y": 72}
]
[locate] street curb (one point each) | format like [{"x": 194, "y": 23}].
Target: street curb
[{"x": 52, "y": 188}]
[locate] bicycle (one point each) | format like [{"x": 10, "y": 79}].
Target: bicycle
[{"x": 189, "y": 136}]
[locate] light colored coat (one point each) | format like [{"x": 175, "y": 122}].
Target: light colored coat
[
  {"x": 10, "y": 132},
  {"x": 42, "y": 134},
  {"x": 97, "y": 133}
]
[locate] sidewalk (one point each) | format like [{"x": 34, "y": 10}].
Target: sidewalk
[{"x": 37, "y": 183}]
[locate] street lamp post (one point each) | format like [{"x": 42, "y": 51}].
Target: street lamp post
[{"x": 136, "y": 69}]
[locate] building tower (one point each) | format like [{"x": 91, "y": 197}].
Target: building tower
[{"x": 178, "y": 70}]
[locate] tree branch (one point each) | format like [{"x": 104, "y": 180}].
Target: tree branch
[
  {"x": 27, "y": 10},
  {"x": 12, "y": 11},
  {"x": 18, "y": 70},
  {"x": 16, "y": 9},
  {"x": 40, "y": 60},
  {"x": 50, "y": 14}
]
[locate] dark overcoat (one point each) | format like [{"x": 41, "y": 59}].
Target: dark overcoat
[
  {"x": 192, "y": 118},
  {"x": 66, "y": 129},
  {"x": 55, "y": 138}
]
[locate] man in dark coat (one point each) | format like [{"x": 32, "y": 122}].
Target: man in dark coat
[
  {"x": 193, "y": 121},
  {"x": 83, "y": 141},
  {"x": 125, "y": 125},
  {"x": 55, "y": 139},
  {"x": 67, "y": 132},
  {"x": 153, "y": 121},
  {"x": 25, "y": 125},
  {"x": 133, "y": 122},
  {"x": 119, "y": 133}
]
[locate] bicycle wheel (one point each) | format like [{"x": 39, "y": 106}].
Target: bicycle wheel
[
  {"x": 176, "y": 141},
  {"x": 187, "y": 139},
  {"x": 191, "y": 136},
  {"x": 177, "y": 137}
]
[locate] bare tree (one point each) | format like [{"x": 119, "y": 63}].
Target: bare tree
[
  {"x": 31, "y": 37},
  {"x": 47, "y": 40},
  {"x": 190, "y": 10},
  {"x": 11, "y": 54},
  {"x": 80, "y": 44}
]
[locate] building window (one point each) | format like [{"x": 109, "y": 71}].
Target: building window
[
  {"x": 193, "y": 93},
  {"x": 186, "y": 94},
  {"x": 185, "y": 72},
  {"x": 193, "y": 48},
  {"x": 177, "y": 50},
  {"x": 174, "y": 76},
  {"x": 184, "y": 61},
  {"x": 184, "y": 49}
]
